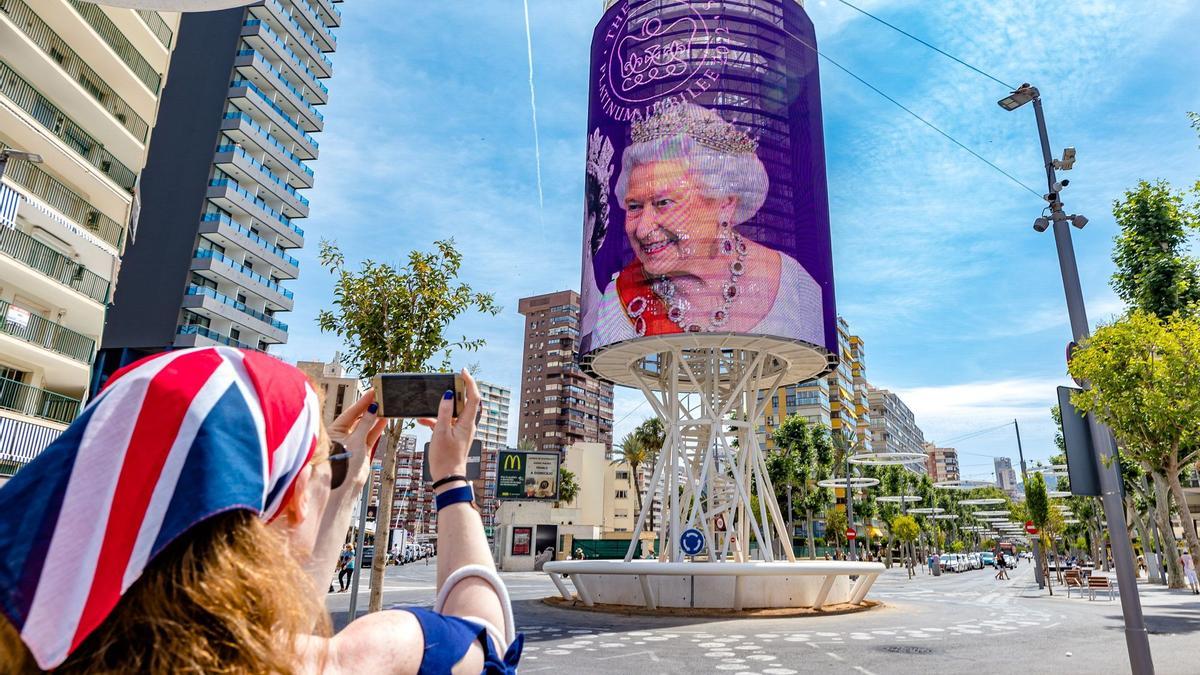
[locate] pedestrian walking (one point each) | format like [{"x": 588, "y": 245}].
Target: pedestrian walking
[
  {"x": 1001, "y": 568},
  {"x": 1189, "y": 570},
  {"x": 346, "y": 568}
]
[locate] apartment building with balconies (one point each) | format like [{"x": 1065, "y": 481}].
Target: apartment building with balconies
[
  {"x": 560, "y": 405},
  {"x": 80, "y": 87},
  {"x": 223, "y": 188}
]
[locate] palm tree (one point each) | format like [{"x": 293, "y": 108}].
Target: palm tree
[
  {"x": 568, "y": 487},
  {"x": 634, "y": 452}
]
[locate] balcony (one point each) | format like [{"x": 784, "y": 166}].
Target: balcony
[
  {"x": 207, "y": 302},
  {"x": 34, "y": 402},
  {"x": 234, "y": 161},
  {"x": 56, "y": 49},
  {"x": 157, "y": 26},
  {"x": 259, "y": 35},
  {"x": 331, "y": 15},
  {"x": 237, "y": 273},
  {"x": 226, "y": 230},
  {"x": 248, "y": 90},
  {"x": 243, "y": 129},
  {"x": 318, "y": 29},
  {"x": 199, "y": 336},
  {"x": 47, "y": 334},
  {"x": 33, "y": 253},
  {"x": 46, "y": 188},
  {"x": 252, "y": 66},
  {"x": 273, "y": 10},
  {"x": 121, "y": 46},
  {"x": 231, "y": 196},
  {"x": 57, "y": 123}
]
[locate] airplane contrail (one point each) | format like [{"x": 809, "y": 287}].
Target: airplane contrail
[{"x": 537, "y": 146}]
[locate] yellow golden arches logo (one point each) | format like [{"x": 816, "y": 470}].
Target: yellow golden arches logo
[{"x": 512, "y": 463}]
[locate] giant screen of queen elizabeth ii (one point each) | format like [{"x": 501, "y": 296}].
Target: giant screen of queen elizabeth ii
[{"x": 706, "y": 209}]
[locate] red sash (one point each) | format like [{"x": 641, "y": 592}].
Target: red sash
[{"x": 633, "y": 284}]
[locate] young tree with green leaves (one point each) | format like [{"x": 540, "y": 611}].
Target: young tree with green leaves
[
  {"x": 1154, "y": 273},
  {"x": 803, "y": 455},
  {"x": 393, "y": 319},
  {"x": 1037, "y": 506},
  {"x": 835, "y": 526},
  {"x": 907, "y": 530},
  {"x": 1143, "y": 372}
]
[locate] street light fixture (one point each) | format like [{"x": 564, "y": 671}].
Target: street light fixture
[
  {"x": 1136, "y": 637},
  {"x": 1023, "y": 94}
]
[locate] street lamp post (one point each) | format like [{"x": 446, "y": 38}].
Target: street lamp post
[
  {"x": 1039, "y": 574},
  {"x": 1136, "y": 639}
]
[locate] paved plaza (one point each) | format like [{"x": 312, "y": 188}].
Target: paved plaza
[{"x": 928, "y": 624}]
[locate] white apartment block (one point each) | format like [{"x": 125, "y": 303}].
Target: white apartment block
[{"x": 79, "y": 88}]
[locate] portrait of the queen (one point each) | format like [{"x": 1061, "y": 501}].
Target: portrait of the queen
[{"x": 686, "y": 183}]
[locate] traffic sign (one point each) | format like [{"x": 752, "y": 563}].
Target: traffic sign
[
  {"x": 691, "y": 541},
  {"x": 1029, "y": 527},
  {"x": 851, "y": 533}
]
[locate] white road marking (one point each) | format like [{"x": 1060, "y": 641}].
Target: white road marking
[
  {"x": 652, "y": 656},
  {"x": 833, "y": 656},
  {"x": 862, "y": 670}
]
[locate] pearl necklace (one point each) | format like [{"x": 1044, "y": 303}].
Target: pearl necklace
[{"x": 678, "y": 307}]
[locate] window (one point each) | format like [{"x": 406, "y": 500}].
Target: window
[
  {"x": 622, "y": 475},
  {"x": 194, "y": 319},
  {"x": 340, "y": 401},
  {"x": 622, "y": 494},
  {"x": 235, "y": 334}
]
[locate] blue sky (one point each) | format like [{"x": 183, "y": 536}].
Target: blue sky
[{"x": 937, "y": 266}]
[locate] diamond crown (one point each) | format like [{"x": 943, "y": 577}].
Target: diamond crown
[{"x": 704, "y": 126}]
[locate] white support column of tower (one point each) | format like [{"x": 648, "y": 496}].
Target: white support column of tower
[{"x": 711, "y": 461}]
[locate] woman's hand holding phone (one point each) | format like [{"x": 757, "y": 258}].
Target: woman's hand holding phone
[{"x": 451, "y": 439}]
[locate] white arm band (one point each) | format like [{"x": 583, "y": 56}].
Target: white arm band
[{"x": 489, "y": 575}]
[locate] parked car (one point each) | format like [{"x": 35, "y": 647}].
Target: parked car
[
  {"x": 988, "y": 558},
  {"x": 975, "y": 560}
]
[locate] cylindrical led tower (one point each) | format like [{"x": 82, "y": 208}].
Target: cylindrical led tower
[
  {"x": 708, "y": 284},
  {"x": 706, "y": 203}
]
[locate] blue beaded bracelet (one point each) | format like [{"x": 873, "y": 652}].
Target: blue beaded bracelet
[{"x": 455, "y": 496}]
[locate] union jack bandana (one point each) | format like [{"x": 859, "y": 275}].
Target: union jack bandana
[{"x": 172, "y": 440}]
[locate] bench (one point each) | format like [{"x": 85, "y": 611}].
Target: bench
[
  {"x": 1099, "y": 582},
  {"x": 1073, "y": 580}
]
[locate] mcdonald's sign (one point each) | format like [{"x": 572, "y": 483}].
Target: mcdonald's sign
[{"x": 527, "y": 475}]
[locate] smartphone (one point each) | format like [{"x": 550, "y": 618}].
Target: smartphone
[{"x": 416, "y": 394}]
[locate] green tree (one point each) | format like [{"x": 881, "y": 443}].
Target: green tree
[
  {"x": 1143, "y": 371},
  {"x": 907, "y": 531},
  {"x": 1154, "y": 272},
  {"x": 1037, "y": 505},
  {"x": 835, "y": 526},
  {"x": 568, "y": 486},
  {"x": 393, "y": 318},
  {"x": 803, "y": 456}
]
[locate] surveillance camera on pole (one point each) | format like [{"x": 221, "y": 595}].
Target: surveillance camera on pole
[
  {"x": 1078, "y": 221},
  {"x": 1041, "y": 224},
  {"x": 1067, "y": 162}
]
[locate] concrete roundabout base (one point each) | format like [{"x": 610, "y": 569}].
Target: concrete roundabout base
[
  {"x": 665, "y": 587},
  {"x": 712, "y": 613}
]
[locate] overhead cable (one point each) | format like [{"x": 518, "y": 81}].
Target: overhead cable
[
  {"x": 934, "y": 48},
  {"x": 920, "y": 119}
]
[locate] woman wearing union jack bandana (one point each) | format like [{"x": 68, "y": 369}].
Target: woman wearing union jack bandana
[{"x": 191, "y": 517}]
